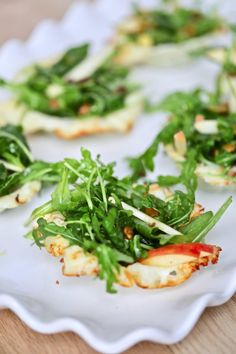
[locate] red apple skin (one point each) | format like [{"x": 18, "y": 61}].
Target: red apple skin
[{"x": 188, "y": 249}]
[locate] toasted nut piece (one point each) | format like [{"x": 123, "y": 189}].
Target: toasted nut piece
[
  {"x": 180, "y": 143},
  {"x": 129, "y": 232},
  {"x": 84, "y": 109},
  {"x": 151, "y": 212},
  {"x": 53, "y": 103},
  {"x": 198, "y": 210},
  {"x": 230, "y": 147},
  {"x": 199, "y": 118}
]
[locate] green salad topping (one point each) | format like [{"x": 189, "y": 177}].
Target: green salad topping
[
  {"x": 17, "y": 165},
  {"x": 47, "y": 89},
  {"x": 208, "y": 128},
  {"x": 157, "y": 26},
  {"x": 116, "y": 220}
]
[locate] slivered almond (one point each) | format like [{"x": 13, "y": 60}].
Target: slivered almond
[
  {"x": 84, "y": 109},
  {"x": 230, "y": 147},
  {"x": 128, "y": 231},
  {"x": 180, "y": 143},
  {"x": 199, "y": 118}
]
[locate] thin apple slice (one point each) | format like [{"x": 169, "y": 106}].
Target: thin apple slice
[
  {"x": 159, "y": 270},
  {"x": 178, "y": 254}
]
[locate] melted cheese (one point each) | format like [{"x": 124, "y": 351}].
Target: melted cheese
[
  {"x": 77, "y": 263},
  {"x": 56, "y": 245},
  {"x": 21, "y": 196},
  {"x": 158, "y": 277}
]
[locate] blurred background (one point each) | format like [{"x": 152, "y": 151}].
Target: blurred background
[{"x": 18, "y": 17}]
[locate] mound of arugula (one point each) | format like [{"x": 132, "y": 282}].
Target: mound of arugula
[
  {"x": 209, "y": 130},
  {"x": 47, "y": 89},
  {"x": 17, "y": 165},
  {"x": 176, "y": 25},
  {"x": 110, "y": 217}
]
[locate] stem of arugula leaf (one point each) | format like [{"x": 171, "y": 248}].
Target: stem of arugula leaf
[
  {"x": 104, "y": 196},
  {"x": 88, "y": 196},
  {"x": 148, "y": 219},
  {"x": 20, "y": 144},
  {"x": 89, "y": 229}
]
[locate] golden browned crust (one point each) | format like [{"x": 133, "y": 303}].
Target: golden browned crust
[{"x": 60, "y": 133}]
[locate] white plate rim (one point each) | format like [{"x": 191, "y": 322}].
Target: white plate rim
[{"x": 63, "y": 324}]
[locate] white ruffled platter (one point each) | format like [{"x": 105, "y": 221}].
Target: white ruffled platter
[{"x": 28, "y": 276}]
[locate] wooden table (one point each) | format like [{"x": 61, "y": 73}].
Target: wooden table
[{"x": 215, "y": 333}]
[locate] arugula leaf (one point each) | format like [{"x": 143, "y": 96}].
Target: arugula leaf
[
  {"x": 8, "y": 182},
  {"x": 109, "y": 266},
  {"x": 213, "y": 221},
  {"x": 61, "y": 195},
  {"x": 13, "y": 146},
  {"x": 69, "y": 60},
  {"x": 17, "y": 166},
  {"x": 190, "y": 231},
  {"x": 195, "y": 227}
]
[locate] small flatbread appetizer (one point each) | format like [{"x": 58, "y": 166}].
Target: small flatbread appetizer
[
  {"x": 73, "y": 95},
  {"x": 201, "y": 128},
  {"x": 21, "y": 177},
  {"x": 125, "y": 233},
  {"x": 165, "y": 35}
]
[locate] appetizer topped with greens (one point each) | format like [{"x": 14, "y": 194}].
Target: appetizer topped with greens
[
  {"x": 226, "y": 57},
  {"x": 200, "y": 125},
  {"x": 125, "y": 233},
  {"x": 73, "y": 95},
  {"x": 21, "y": 177},
  {"x": 164, "y": 34}
]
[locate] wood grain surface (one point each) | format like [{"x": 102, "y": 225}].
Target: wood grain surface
[{"x": 215, "y": 332}]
